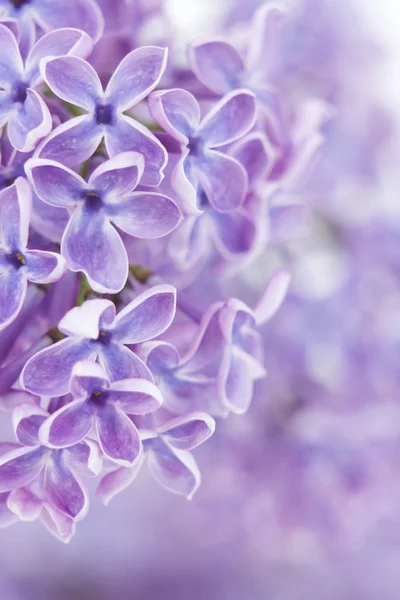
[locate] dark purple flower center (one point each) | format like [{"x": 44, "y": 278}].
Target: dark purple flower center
[
  {"x": 98, "y": 397},
  {"x": 104, "y": 338},
  {"x": 16, "y": 259},
  {"x": 20, "y": 92},
  {"x": 203, "y": 200},
  {"x": 195, "y": 146},
  {"x": 18, "y": 3},
  {"x": 104, "y": 114},
  {"x": 93, "y": 201}
]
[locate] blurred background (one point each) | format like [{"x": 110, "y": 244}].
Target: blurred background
[{"x": 300, "y": 498}]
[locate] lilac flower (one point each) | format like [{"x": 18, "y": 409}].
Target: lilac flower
[
  {"x": 18, "y": 265},
  {"x": 21, "y": 106},
  {"x": 224, "y": 359},
  {"x": 221, "y": 68},
  {"x": 75, "y": 81},
  {"x": 239, "y": 235},
  {"x": 95, "y": 332},
  {"x": 103, "y": 405},
  {"x": 203, "y": 167},
  {"x": 90, "y": 242},
  {"x": 52, "y": 14},
  {"x": 45, "y": 482},
  {"x": 168, "y": 450}
]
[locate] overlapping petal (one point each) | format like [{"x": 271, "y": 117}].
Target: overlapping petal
[
  {"x": 118, "y": 437},
  {"x": 223, "y": 179},
  {"x": 48, "y": 372},
  {"x": 230, "y": 119},
  {"x": 55, "y": 184},
  {"x": 176, "y": 111},
  {"x": 217, "y": 64},
  {"x": 44, "y": 267}
]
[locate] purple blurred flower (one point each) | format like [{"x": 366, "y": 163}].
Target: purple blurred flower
[
  {"x": 221, "y": 68},
  {"x": 167, "y": 448},
  {"x": 104, "y": 405},
  {"x": 18, "y": 265},
  {"x": 75, "y": 81},
  {"x": 96, "y": 332},
  {"x": 21, "y": 106},
  {"x": 90, "y": 242}
]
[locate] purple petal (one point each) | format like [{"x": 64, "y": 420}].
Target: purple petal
[
  {"x": 87, "y": 320},
  {"x": 67, "y": 426},
  {"x": 87, "y": 377},
  {"x": 217, "y": 64},
  {"x": 63, "y": 491},
  {"x": 230, "y": 119},
  {"x": 7, "y": 517},
  {"x": 27, "y": 419},
  {"x": 118, "y": 176},
  {"x": 160, "y": 356},
  {"x": 121, "y": 363},
  {"x": 55, "y": 184},
  {"x": 92, "y": 245},
  {"x": 11, "y": 66},
  {"x": 136, "y": 76},
  {"x": 223, "y": 179},
  {"x": 256, "y": 155},
  {"x": 48, "y": 220},
  {"x": 13, "y": 287},
  {"x": 118, "y": 437},
  {"x": 44, "y": 267},
  {"x": 49, "y": 371},
  {"x": 190, "y": 244},
  {"x": 188, "y": 432},
  {"x": 74, "y": 80},
  {"x": 117, "y": 481},
  {"x": 15, "y": 212},
  {"x": 72, "y": 142},
  {"x": 82, "y": 14},
  {"x": 175, "y": 470},
  {"x": 267, "y": 21},
  {"x": 236, "y": 234},
  {"x": 135, "y": 396},
  {"x": 30, "y": 124},
  {"x": 127, "y": 135},
  {"x": 273, "y": 296},
  {"x": 177, "y": 112},
  {"x": 145, "y": 215},
  {"x": 85, "y": 458},
  {"x": 19, "y": 467},
  {"x": 58, "y": 523},
  {"x": 56, "y": 43},
  {"x": 147, "y": 316},
  {"x": 25, "y": 504},
  {"x": 237, "y": 376}
]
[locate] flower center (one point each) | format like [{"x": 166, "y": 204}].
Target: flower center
[
  {"x": 104, "y": 114},
  {"x": 18, "y": 3},
  {"x": 195, "y": 146},
  {"x": 93, "y": 201},
  {"x": 98, "y": 397},
  {"x": 16, "y": 259},
  {"x": 20, "y": 92}
]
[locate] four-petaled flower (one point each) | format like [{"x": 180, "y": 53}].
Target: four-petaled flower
[
  {"x": 203, "y": 167},
  {"x": 18, "y": 265},
  {"x": 74, "y": 80},
  {"x": 90, "y": 242},
  {"x": 104, "y": 406},
  {"x": 21, "y": 106},
  {"x": 167, "y": 448},
  {"x": 97, "y": 333}
]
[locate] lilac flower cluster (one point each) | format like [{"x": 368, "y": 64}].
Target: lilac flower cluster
[{"x": 124, "y": 212}]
